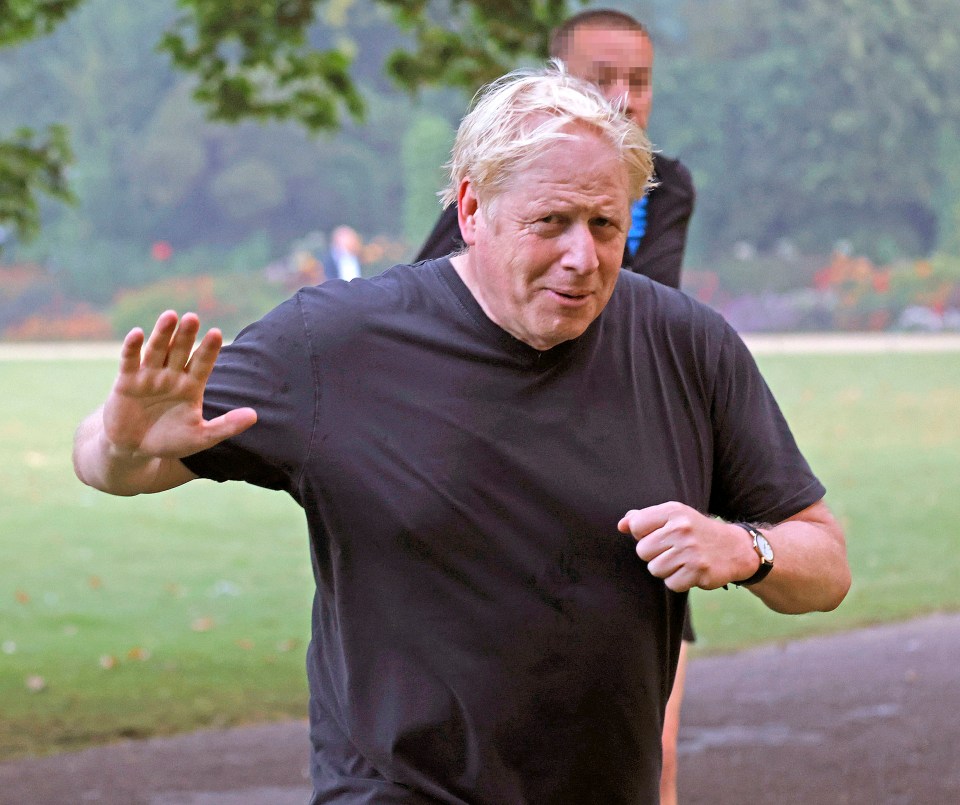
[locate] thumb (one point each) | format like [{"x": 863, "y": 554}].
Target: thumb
[{"x": 228, "y": 425}]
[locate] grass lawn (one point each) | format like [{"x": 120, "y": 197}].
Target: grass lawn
[{"x": 133, "y": 617}]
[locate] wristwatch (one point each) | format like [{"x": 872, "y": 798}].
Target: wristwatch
[{"x": 764, "y": 551}]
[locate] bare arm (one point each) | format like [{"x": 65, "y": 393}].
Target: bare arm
[
  {"x": 687, "y": 549},
  {"x": 153, "y": 415}
]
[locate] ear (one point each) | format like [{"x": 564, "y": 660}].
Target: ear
[{"x": 468, "y": 209}]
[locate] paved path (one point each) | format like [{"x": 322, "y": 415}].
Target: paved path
[{"x": 864, "y": 718}]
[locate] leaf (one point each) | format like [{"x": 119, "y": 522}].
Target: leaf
[
  {"x": 22, "y": 597},
  {"x": 203, "y": 624},
  {"x": 36, "y": 683},
  {"x": 108, "y": 662}
]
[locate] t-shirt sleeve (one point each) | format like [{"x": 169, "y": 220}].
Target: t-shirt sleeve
[
  {"x": 267, "y": 368},
  {"x": 759, "y": 473}
]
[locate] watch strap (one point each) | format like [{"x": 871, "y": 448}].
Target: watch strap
[{"x": 765, "y": 565}]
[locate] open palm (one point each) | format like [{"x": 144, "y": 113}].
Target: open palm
[{"x": 156, "y": 405}]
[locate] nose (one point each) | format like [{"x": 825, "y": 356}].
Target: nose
[
  {"x": 618, "y": 93},
  {"x": 580, "y": 249}
]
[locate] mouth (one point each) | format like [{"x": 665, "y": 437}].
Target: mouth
[{"x": 569, "y": 296}]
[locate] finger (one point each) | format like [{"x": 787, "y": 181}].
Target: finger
[
  {"x": 130, "y": 351},
  {"x": 640, "y": 522},
  {"x": 183, "y": 340},
  {"x": 664, "y": 564},
  {"x": 158, "y": 344},
  {"x": 205, "y": 355},
  {"x": 653, "y": 544},
  {"x": 228, "y": 425}
]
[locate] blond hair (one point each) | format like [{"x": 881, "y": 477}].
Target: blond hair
[{"x": 515, "y": 117}]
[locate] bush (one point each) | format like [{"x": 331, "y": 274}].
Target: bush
[{"x": 230, "y": 301}]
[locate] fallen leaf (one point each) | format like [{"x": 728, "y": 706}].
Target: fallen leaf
[
  {"x": 139, "y": 653},
  {"x": 95, "y": 582},
  {"x": 34, "y": 460},
  {"x": 287, "y": 645},
  {"x": 245, "y": 643},
  {"x": 8, "y": 647},
  {"x": 108, "y": 662},
  {"x": 35, "y": 683},
  {"x": 22, "y": 597},
  {"x": 204, "y": 624}
]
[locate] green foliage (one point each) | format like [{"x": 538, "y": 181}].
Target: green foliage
[
  {"x": 814, "y": 120},
  {"x": 25, "y": 19},
  {"x": 466, "y": 44},
  {"x": 253, "y": 60},
  {"x": 229, "y": 302},
  {"x": 29, "y": 168}
]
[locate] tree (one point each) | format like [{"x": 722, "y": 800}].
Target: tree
[
  {"x": 30, "y": 164},
  {"x": 258, "y": 60},
  {"x": 279, "y": 61},
  {"x": 816, "y": 119}
]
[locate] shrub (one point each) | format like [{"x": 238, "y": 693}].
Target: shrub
[{"x": 229, "y": 301}]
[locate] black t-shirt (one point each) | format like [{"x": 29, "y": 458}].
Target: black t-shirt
[{"x": 482, "y": 633}]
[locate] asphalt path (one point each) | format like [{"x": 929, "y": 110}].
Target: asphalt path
[{"x": 868, "y": 717}]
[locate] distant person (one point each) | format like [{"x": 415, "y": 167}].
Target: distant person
[
  {"x": 514, "y": 463},
  {"x": 342, "y": 261},
  {"x": 614, "y": 51}
]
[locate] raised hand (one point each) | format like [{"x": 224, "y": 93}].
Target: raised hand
[
  {"x": 156, "y": 405},
  {"x": 153, "y": 416}
]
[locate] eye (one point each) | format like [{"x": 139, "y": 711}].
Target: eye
[
  {"x": 606, "y": 77},
  {"x": 640, "y": 82}
]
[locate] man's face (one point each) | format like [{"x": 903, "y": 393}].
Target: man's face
[
  {"x": 545, "y": 255},
  {"x": 619, "y": 62}
]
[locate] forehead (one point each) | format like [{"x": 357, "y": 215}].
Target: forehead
[
  {"x": 585, "y": 168},
  {"x": 623, "y": 48}
]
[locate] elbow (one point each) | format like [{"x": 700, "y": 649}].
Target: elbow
[{"x": 837, "y": 591}]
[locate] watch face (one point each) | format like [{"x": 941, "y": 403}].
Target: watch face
[{"x": 764, "y": 547}]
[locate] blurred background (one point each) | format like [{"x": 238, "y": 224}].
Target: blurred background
[{"x": 200, "y": 154}]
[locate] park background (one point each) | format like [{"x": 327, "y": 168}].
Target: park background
[{"x": 822, "y": 136}]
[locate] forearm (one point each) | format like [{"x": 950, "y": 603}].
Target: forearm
[
  {"x": 100, "y": 464},
  {"x": 810, "y": 571}
]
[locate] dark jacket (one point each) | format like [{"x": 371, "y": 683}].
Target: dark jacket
[{"x": 660, "y": 255}]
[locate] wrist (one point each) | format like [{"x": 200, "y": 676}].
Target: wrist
[{"x": 762, "y": 552}]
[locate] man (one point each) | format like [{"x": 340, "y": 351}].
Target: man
[
  {"x": 614, "y": 51},
  {"x": 512, "y": 463},
  {"x": 342, "y": 261}
]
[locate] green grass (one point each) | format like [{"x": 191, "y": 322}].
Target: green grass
[
  {"x": 883, "y": 434},
  {"x": 198, "y": 599}
]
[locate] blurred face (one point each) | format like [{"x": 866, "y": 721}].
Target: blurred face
[
  {"x": 545, "y": 255},
  {"x": 619, "y": 62}
]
